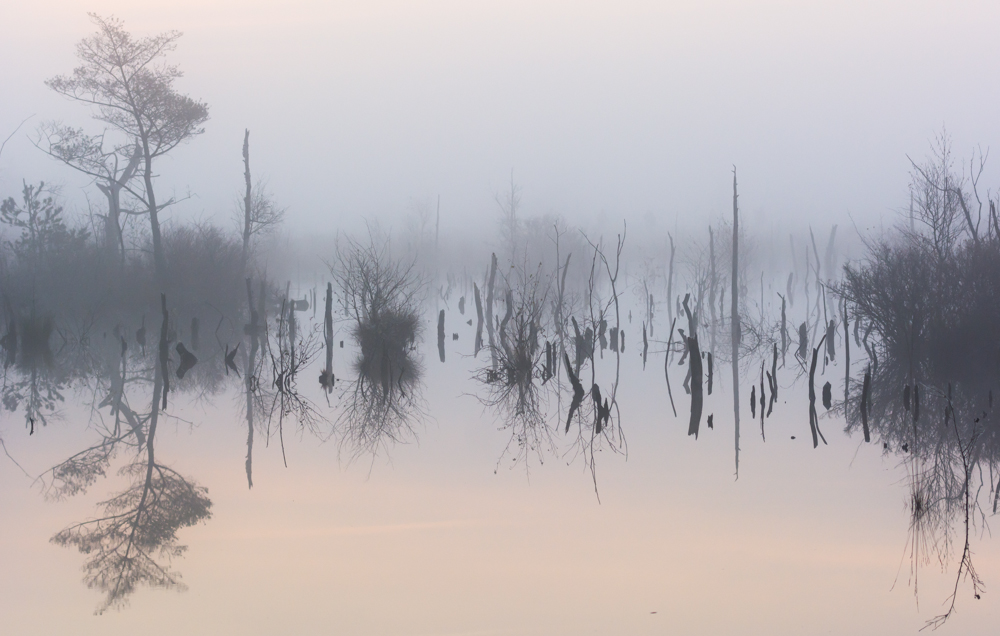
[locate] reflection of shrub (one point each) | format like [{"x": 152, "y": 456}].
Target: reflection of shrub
[
  {"x": 935, "y": 322},
  {"x": 387, "y": 340},
  {"x": 928, "y": 304},
  {"x": 930, "y": 315},
  {"x": 379, "y": 295}
]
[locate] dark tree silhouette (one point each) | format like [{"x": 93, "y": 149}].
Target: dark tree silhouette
[{"x": 130, "y": 88}]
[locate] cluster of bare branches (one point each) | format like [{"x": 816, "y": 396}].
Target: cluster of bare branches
[
  {"x": 379, "y": 297},
  {"x": 520, "y": 367},
  {"x": 598, "y": 419},
  {"x": 273, "y": 365},
  {"x": 925, "y": 306}
]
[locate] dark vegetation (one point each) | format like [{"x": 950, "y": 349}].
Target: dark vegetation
[
  {"x": 380, "y": 299},
  {"x": 927, "y": 303}
]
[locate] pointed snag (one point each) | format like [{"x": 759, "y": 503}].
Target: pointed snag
[
  {"x": 697, "y": 398},
  {"x": 479, "y": 321},
  {"x": 645, "y": 346},
  {"x": 440, "y": 339},
  {"x": 710, "y": 372},
  {"x": 865, "y": 389}
]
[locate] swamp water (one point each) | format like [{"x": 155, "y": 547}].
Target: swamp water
[{"x": 472, "y": 524}]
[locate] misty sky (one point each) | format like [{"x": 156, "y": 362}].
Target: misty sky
[{"x": 634, "y": 109}]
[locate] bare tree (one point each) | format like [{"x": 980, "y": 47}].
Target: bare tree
[
  {"x": 939, "y": 199},
  {"x": 257, "y": 213},
  {"x": 112, "y": 168},
  {"x": 510, "y": 203},
  {"x": 130, "y": 88}
]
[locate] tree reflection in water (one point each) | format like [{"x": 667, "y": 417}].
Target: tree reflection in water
[
  {"x": 514, "y": 388},
  {"x": 134, "y": 539},
  {"x": 929, "y": 318}
]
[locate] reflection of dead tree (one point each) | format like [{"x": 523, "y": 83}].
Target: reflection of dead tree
[
  {"x": 511, "y": 390},
  {"x": 560, "y": 309},
  {"x": 78, "y": 472},
  {"x": 965, "y": 567},
  {"x": 139, "y": 525},
  {"x": 597, "y": 427},
  {"x": 251, "y": 374},
  {"x": 294, "y": 353},
  {"x": 379, "y": 296}
]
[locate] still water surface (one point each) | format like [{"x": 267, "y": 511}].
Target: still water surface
[{"x": 436, "y": 536}]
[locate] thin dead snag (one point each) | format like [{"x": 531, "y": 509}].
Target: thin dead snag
[
  {"x": 735, "y": 321},
  {"x": 666, "y": 367},
  {"x": 670, "y": 280},
  {"x": 489, "y": 309},
  {"x": 479, "y": 322}
]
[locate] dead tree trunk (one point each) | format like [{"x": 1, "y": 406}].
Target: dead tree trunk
[
  {"x": 328, "y": 336},
  {"x": 253, "y": 332},
  {"x": 479, "y": 321},
  {"x": 247, "y": 200},
  {"x": 113, "y": 241},
  {"x": 670, "y": 281},
  {"x": 711, "y": 293},
  {"x": 489, "y": 310},
  {"x": 735, "y": 320}
]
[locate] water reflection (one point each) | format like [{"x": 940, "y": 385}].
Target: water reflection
[
  {"x": 380, "y": 299},
  {"x": 515, "y": 381},
  {"x": 927, "y": 314},
  {"x": 135, "y": 535},
  {"x": 549, "y": 368}
]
